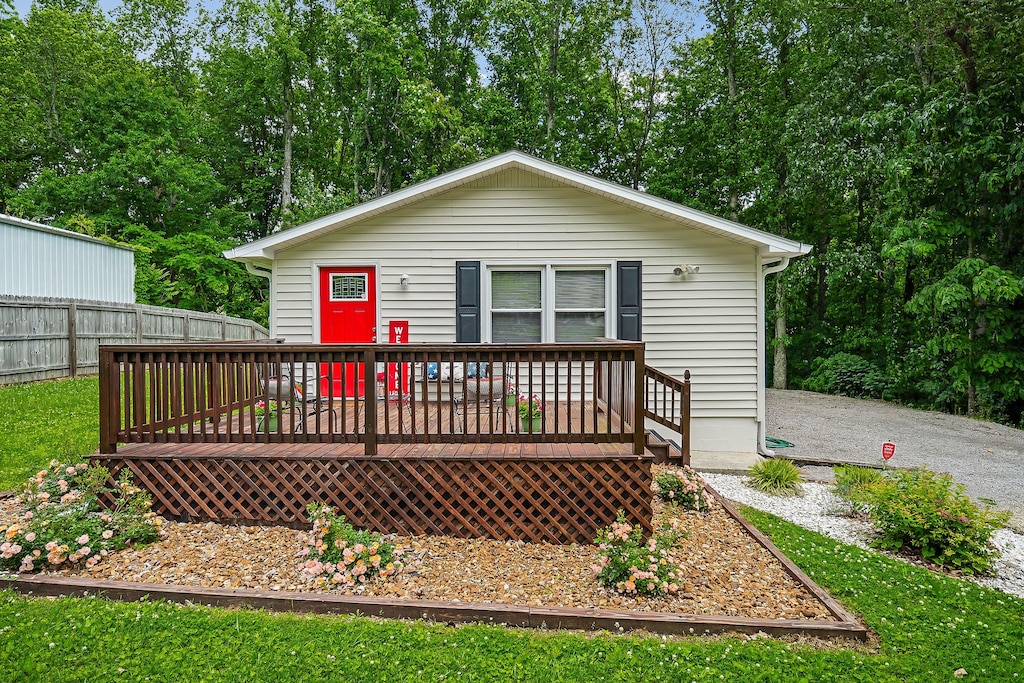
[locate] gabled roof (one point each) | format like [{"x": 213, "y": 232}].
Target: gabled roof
[{"x": 772, "y": 247}]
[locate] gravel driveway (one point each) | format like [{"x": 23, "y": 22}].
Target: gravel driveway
[{"x": 985, "y": 457}]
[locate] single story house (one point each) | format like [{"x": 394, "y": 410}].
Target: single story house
[{"x": 516, "y": 249}]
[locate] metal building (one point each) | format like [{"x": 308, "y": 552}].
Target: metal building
[{"x": 37, "y": 260}]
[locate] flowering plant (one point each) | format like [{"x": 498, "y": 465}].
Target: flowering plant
[
  {"x": 342, "y": 555},
  {"x": 264, "y": 407},
  {"x": 61, "y": 522},
  {"x": 931, "y": 514},
  {"x": 685, "y": 488},
  {"x": 632, "y": 566},
  {"x": 530, "y": 408}
]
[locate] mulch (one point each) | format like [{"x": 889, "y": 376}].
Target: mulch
[{"x": 726, "y": 571}]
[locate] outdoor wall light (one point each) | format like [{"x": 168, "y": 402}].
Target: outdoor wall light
[
  {"x": 686, "y": 269},
  {"x": 404, "y": 280}
]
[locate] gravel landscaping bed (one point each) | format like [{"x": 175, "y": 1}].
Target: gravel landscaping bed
[
  {"x": 726, "y": 571},
  {"x": 819, "y": 510}
]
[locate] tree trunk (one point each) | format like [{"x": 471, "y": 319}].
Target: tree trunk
[
  {"x": 779, "y": 377},
  {"x": 286, "y": 165},
  {"x": 549, "y": 134}
]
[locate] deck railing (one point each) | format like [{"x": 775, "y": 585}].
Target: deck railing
[
  {"x": 381, "y": 393},
  {"x": 666, "y": 400}
]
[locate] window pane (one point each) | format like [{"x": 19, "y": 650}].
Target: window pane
[
  {"x": 348, "y": 287},
  {"x": 515, "y": 328},
  {"x": 515, "y": 289},
  {"x": 579, "y": 289},
  {"x": 578, "y": 327}
]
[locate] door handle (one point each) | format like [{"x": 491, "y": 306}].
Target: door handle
[{"x": 374, "y": 338}]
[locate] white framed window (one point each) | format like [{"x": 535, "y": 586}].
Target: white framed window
[{"x": 548, "y": 303}]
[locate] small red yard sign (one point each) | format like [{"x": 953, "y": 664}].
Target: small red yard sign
[{"x": 888, "y": 450}]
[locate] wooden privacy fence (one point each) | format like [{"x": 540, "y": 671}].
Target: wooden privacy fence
[
  {"x": 42, "y": 338},
  {"x": 529, "y": 497},
  {"x": 381, "y": 393}
]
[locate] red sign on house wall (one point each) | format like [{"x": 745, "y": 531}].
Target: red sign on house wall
[{"x": 398, "y": 373}]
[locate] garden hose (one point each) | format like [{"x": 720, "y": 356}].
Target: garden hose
[{"x": 772, "y": 442}]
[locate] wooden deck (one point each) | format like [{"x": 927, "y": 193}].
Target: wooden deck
[{"x": 256, "y": 432}]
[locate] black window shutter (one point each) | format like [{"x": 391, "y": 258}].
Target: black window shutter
[
  {"x": 467, "y": 302},
  {"x": 628, "y": 300}
]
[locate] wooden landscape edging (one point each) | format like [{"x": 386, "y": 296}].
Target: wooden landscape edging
[{"x": 845, "y": 626}]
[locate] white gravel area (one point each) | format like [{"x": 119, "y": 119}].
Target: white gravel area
[{"x": 819, "y": 510}]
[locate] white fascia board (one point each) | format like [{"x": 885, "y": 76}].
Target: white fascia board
[{"x": 767, "y": 242}]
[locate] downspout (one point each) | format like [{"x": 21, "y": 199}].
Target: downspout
[
  {"x": 762, "y": 447},
  {"x": 253, "y": 269}
]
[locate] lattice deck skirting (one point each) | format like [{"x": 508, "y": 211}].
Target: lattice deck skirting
[{"x": 559, "y": 493}]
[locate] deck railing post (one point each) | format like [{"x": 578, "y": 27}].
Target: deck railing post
[
  {"x": 370, "y": 401},
  {"x": 685, "y": 408},
  {"x": 109, "y": 383},
  {"x": 639, "y": 364}
]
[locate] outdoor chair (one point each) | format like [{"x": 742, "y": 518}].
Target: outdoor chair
[
  {"x": 294, "y": 402},
  {"x": 480, "y": 389}
]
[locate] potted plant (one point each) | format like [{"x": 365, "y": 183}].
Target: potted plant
[
  {"x": 266, "y": 416},
  {"x": 531, "y": 412},
  {"x": 510, "y": 393}
]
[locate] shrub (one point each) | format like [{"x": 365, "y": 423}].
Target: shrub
[
  {"x": 776, "y": 477},
  {"x": 343, "y": 555},
  {"x": 632, "y": 566},
  {"x": 850, "y": 479},
  {"x": 685, "y": 489},
  {"x": 931, "y": 514},
  {"x": 847, "y": 374},
  {"x": 62, "y": 524}
]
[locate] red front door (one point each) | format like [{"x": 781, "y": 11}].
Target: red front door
[{"x": 348, "y": 315}]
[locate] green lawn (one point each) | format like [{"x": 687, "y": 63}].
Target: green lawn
[
  {"x": 46, "y": 420},
  {"x": 929, "y": 625}
]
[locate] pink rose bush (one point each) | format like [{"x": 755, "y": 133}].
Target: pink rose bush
[
  {"x": 340, "y": 555},
  {"x": 61, "y": 524},
  {"x": 684, "y": 488},
  {"x": 630, "y": 565}
]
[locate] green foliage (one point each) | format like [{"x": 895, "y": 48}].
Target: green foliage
[
  {"x": 60, "y": 522},
  {"x": 341, "y": 555},
  {"x": 632, "y": 566},
  {"x": 775, "y": 476},
  {"x": 529, "y": 408},
  {"x": 932, "y": 515},
  {"x": 684, "y": 488},
  {"x": 851, "y": 479},
  {"x": 846, "y": 374}
]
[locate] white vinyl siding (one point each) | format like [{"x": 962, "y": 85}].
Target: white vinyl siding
[{"x": 706, "y": 323}]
